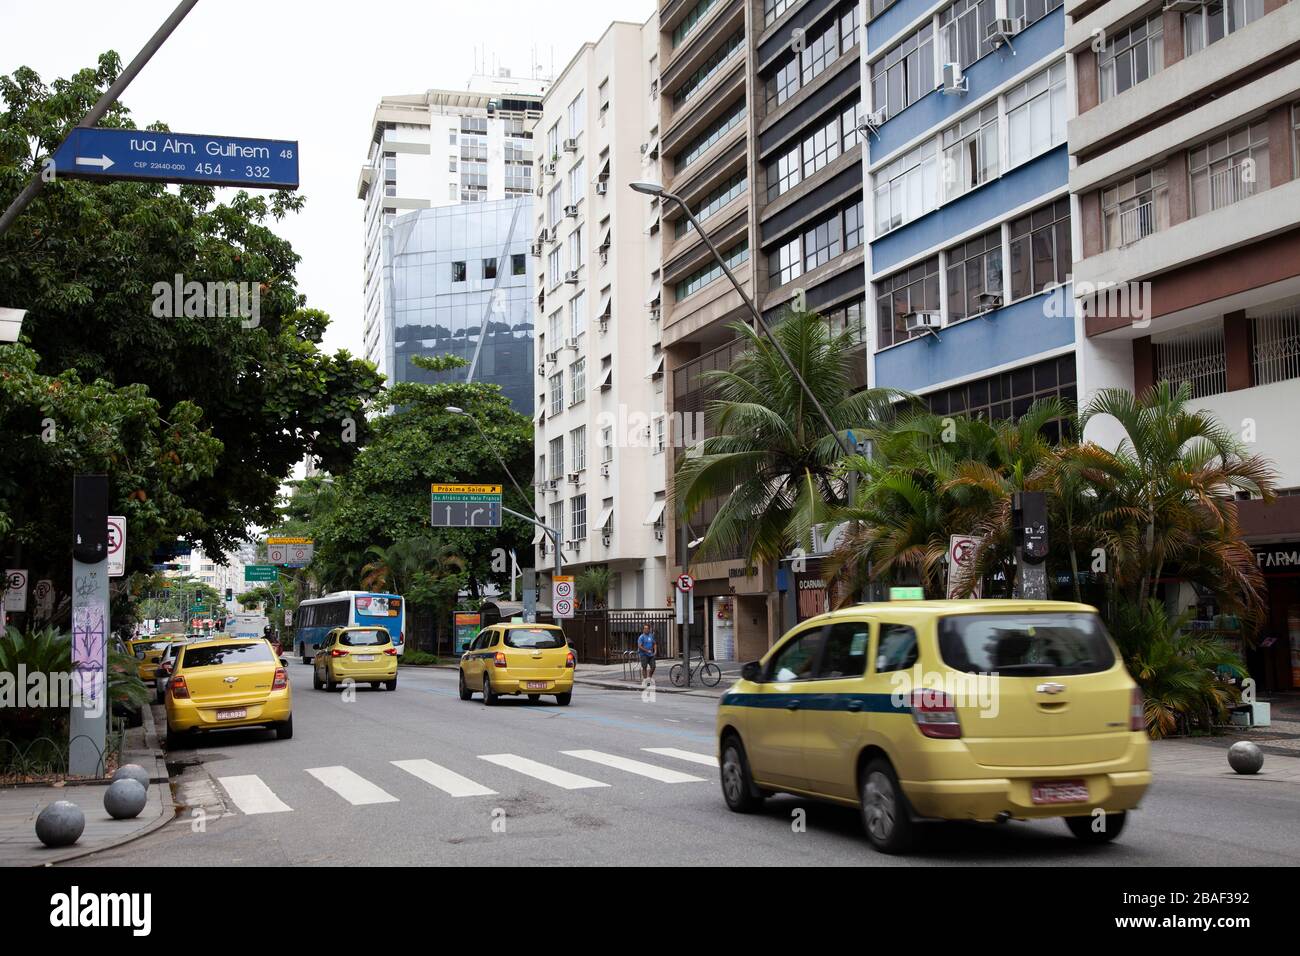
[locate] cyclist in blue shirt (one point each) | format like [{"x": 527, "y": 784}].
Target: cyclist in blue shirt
[{"x": 645, "y": 650}]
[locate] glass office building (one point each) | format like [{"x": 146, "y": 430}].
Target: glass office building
[{"x": 459, "y": 283}]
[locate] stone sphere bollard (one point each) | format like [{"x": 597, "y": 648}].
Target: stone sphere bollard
[
  {"x": 132, "y": 771},
  {"x": 1245, "y": 757},
  {"x": 125, "y": 799},
  {"x": 60, "y": 824}
]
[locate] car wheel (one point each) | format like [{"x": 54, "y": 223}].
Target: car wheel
[
  {"x": 331, "y": 684},
  {"x": 159, "y": 695},
  {"x": 563, "y": 699},
  {"x": 315, "y": 679},
  {"x": 302, "y": 652},
  {"x": 489, "y": 695},
  {"x": 885, "y": 814},
  {"x": 1082, "y": 827},
  {"x": 284, "y": 731},
  {"x": 465, "y": 692},
  {"x": 738, "y": 788},
  {"x": 391, "y": 684}
]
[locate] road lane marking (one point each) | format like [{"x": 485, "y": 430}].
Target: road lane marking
[
  {"x": 662, "y": 774},
  {"x": 707, "y": 760},
  {"x": 352, "y": 787},
  {"x": 448, "y": 781},
  {"x": 251, "y": 795},
  {"x": 541, "y": 771}
]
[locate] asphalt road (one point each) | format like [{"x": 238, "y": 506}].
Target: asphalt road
[{"x": 403, "y": 778}]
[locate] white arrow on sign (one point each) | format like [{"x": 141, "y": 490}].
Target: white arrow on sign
[{"x": 103, "y": 162}]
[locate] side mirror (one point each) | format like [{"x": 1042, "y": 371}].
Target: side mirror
[
  {"x": 752, "y": 671},
  {"x": 284, "y": 662}
]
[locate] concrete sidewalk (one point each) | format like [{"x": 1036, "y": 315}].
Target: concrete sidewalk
[
  {"x": 1208, "y": 757},
  {"x": 20, "y": 805},
  {"x": 622, "y": 677}
]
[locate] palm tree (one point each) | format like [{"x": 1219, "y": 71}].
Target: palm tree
[
  {"x": 770, "y": 455},
  {"x": 593, "y": 585},
  {"x": 1166, "y": 496}
]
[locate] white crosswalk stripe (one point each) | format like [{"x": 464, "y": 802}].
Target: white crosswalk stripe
[
  {"x": 448, "y": 781},
  {"x": 708, "y": 760},
  {"x": 541, "y": 771},
  {"x": 662, "y": 774},
  {"x": 351, "y": 786},
  {"x": 251, "y": 795}
]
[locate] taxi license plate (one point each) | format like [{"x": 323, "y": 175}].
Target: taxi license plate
[
  {"x": 365, "y": 657},
  {"x": 232, "y": 714},
  {"x": 535, "y": 684},
  {"x": 1059, "y": 791}
]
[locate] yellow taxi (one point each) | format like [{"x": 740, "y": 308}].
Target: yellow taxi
[
  {"x": 942, "y": 710},
  {"x": 148, "y": 651},
  {"x": 365, "y": 655},
  {"x": 532, "y": 659},
  {"x": 228, "y": 682}
]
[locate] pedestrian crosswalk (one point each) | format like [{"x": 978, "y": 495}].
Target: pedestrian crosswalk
[{"x": 250, "y": 794}]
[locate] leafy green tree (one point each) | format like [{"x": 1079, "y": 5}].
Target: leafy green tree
[
  {"x": 770, "y": 455},
  {"x": 87, "y": 259},
  {"x": 593, "y": 585}
]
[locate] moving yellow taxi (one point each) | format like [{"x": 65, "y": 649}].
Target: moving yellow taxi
[
  {"x": 532, "y": 659},
  {"x": 148, "y": 651},
  {"x": 361, "y": 654},
  {"x": 228, "y": 682},
  {"x": 942, "y": 710}
]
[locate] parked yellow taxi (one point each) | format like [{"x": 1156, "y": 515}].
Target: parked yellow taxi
[
  {"x": 532, "y": 659},
  {"x": 228, "y": 682},
  {"x": 148, "y": 651},
  {"x": 942, "y": 710},
  {"x": 365, "y": 655}
]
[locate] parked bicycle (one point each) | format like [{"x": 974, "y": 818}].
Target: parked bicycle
[{"x": 707, "y": 672}]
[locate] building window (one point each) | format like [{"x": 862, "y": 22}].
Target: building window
[
  {"x": 578, "y": 381},
  {"x": 970, "y": 152},
  {"x": 784, "y": 173},
  {"x": 904, "y": 294},
  {"x": 714, "y": 201},
  {"x": 687, "y": 24},
  {"x": 1040, "y": 249},
  {"x": 1195, "y": 356},
  {"x": 458, "y": 271},
  {"x": 853, "y": 226},
  {"x": 1134, "y": 208},
  {"x": 904, "y": 74},
  {"x": 557, "y": 394},
  {"x": 822, "y": 243},
  {"x": 880, "y": 6},
  {"x": 557, "y": 457},
  {"x": 1008, "y": 395},
  {"x": 1031, "y": 10},
  {"x": 1036, "y": 114},
  {"x": 821, "y": 147},
  {"x": 850, "y": 24},
  {"x": 716, "y": 61},
  {"x": 578, "y": 182},
  {"x": 578, "y": 316},
  {"x": 1213, "y": 21},
  {"x": 819, "y": 53},
  {"x": 1229, "y": 168},
  {"x": 773, "y": 9},
  {"x": 553, "y": 141},
  {"x": 846, "y": 320},
  {"x": 1275, "y": 339},
  {"x": 907, "y": 188},
  {"x": 557, "y": 519},
  {"x": 698, "y": 146},
  {"x": 555, "y": 205},
  {"x": 578, "y": 447},
  {"x": 577, "y": 115},
  {"x": 554, "y": 327},
  {"x": 785, "y": 263},
  {"x": 962, "y": 31},
  {"x": 705, "y": 274},
  {"x": 661, "y": 431},
  {"x": 578, "y": 516},
  {"x": 555, "y": 266},
  {"x": 1131, "y": 56},
  {"x": 575, "y": 248},
  {"x": 518, "y": 264},
  {"x": 607, "y": 444},
  {"x": 974, "y": 268},
  {"x": 489, "y": 268}
]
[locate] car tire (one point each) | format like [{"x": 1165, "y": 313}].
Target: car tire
[
  {"x": 284, "y": 731},
  {"x": 316, "y": 683},
  {"x": 160, "y": 695},
  {"x": 1082, "y": 829},
  {"x": 391, "y": 684},
  {"x": 465, "y": 692},
  {"x": 738, "y": 788},
  {"x": 302, "y": 652},
  {"x": 331, "y": 684},
  {"x": 489, "y": 695},
  {"x": 564, "y": 699},
  {"x": 886, "y": 816}
]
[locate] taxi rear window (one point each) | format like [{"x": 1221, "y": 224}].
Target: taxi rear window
[
  {"x": 1025, "y": 644},
  {"x": 211, "y": 656},
  {"x": 367, "y": 638},
  {"x": 144, "y": 646},
  {"x": 529, "y": 637}
]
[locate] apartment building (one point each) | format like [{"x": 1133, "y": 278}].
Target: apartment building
[
  {"x": 1186, "y": 172},
  {"x": 434, "y": 149},
  {"x": 601, "y": 429}
]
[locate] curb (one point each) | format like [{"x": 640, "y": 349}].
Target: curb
[
  {"x": 159, "y": 778},
  {"x": 636, "y": 688}
]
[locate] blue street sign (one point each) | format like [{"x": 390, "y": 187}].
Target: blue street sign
[{"x": 117, "y": 154}]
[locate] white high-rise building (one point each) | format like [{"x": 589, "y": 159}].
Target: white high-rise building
[
  {"x": 440, "y": 148},
  {"x": 602, "y": 438}
]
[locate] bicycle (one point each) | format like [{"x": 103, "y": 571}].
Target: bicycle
[{"x": 708, "y": 672}]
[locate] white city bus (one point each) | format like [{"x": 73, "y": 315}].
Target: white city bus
[{"x": 318, "y": 616}]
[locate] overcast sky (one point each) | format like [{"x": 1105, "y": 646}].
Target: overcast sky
[{"x": 310, "y": 70}]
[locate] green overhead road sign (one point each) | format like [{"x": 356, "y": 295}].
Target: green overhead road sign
[
  {"x": 465, "y": 506},
  {"x": 260, "y": 572}
]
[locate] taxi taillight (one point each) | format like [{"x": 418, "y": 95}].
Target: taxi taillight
[
  {"x": 401, "y": 637},
  {"x": 499, "y": 658},
  {"x": 391, "y": 650},
  {"x": 180, "y": 690},
  {"x": 338, "y": 652},
  {"x": 935, "y": 714},
  {"x": 281, "y": 679},
  {"x": 568, "y": 659},
  {"x": 1137, "y": 718}
]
